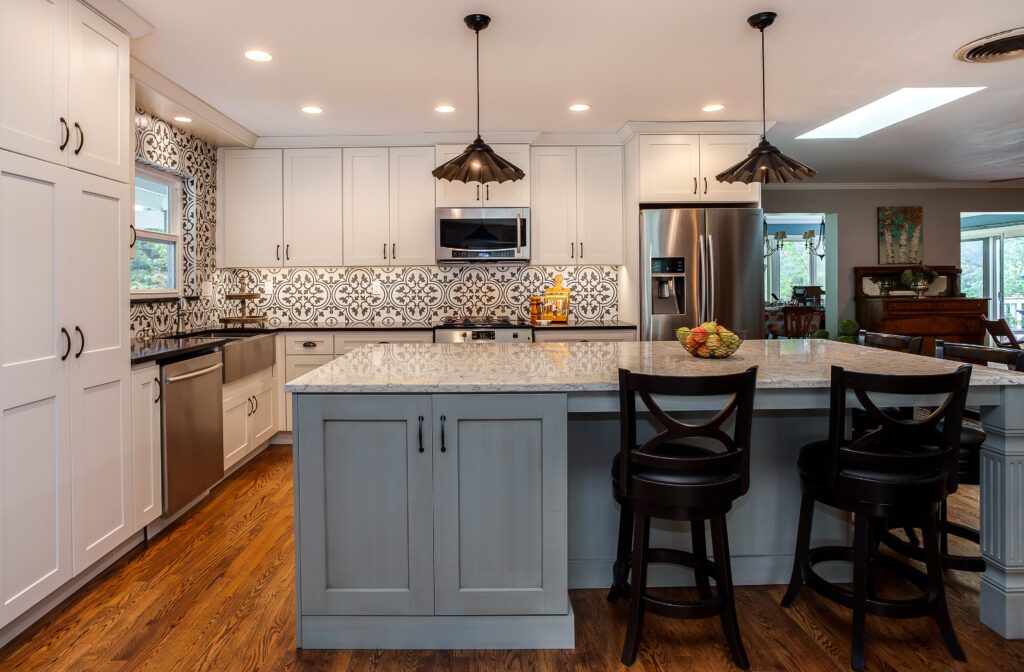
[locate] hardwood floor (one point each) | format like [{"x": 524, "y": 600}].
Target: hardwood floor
[{"x": 216, "y": 593}]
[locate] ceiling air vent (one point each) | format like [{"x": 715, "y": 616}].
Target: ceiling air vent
[{"x": 998, "y": 47}]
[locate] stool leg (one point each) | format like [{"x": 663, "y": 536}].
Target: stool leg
[
  {"x": 634, "y": 627},
  {"x": 803, "y": 544},
  {"x": 943, "y": 537},
  {"x": 621, "y": 566},
  {"x": 911, "y": 536},
  {"x": 720, "y": 545},
  {"x": 861, "y": 544},
  {"x": 936, "y": 586},
  {"x": 700, "y": 551}
]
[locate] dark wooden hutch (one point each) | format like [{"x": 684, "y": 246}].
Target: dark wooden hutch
[{"x": 944, "y": 313}]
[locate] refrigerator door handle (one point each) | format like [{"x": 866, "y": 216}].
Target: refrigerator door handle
[
  {"x": 702, "y": 277},
  {"x": 711, "y": 277}
]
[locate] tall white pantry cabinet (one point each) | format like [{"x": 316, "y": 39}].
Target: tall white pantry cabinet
[{"x": 66, "y": 490}]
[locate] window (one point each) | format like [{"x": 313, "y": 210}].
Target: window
[
  {"x": 992, "y": 262},
  {"x": 793, "y": 265},
  {"x": 156, "y": 264}
]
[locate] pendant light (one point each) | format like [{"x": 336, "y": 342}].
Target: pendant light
[
  {"x": 478, "y": 163},
  {"x": 765, "y": 163}
]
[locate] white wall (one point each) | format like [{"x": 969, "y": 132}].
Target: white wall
[{"x": 856, "y": 211}]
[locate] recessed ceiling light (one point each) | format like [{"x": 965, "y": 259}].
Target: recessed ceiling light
[
  {"x": 579, "y": 107},
  {"x": 312, "y": 109},
  {"x": 444, "y": 108},
  {"x": 713, "y": 107},
  {"x": 258, "y": 55},
  {"x": 889, "y": 110},
  {"x": 183, "y": 120}
]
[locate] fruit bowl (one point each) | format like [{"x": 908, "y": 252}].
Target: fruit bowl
[{"x": 708, "y": 341}]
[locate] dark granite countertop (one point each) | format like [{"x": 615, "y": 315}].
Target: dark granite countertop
[{"x": 159, "y": 349}]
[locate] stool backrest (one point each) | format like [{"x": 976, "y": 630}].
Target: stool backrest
[
  {"x": 899, "y": 446},
  {"x": 908, "y": 344},
  {"x": 740, "y": 387},
  {"x": 797, "y": 320},
  {"x": 1000, "y": 332},
  {"x": 980, "y": 354}
]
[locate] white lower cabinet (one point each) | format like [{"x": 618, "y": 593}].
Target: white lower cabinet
[
  {"x": 432, "y": 504},
  {"x": 147, "y": 441},
  {"x": 249, "y": 415},
  {"x": 583, "y": 335}
]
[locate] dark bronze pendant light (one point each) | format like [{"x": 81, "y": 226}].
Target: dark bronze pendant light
[
  {"x": 478, "y": 163},
  {"x": 765, "y": 163}
]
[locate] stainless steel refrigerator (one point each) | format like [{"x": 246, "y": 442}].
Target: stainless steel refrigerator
[{"x": 699, "y": 265}]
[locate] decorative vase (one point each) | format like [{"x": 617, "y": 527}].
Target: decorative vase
[{"x": 920, "y": 287}]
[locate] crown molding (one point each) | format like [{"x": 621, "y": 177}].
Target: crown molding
[
  {"x": 392, "y": 140},
  {"x": 122, "y": 16},
  {"x": 804, "y": 186},
  {"x": 634, "y": 128}
]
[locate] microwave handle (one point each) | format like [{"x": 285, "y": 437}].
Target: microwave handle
[{"x": 519, "y": 224}]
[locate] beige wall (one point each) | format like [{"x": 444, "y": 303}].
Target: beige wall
[{"x": 857, "y": 221}]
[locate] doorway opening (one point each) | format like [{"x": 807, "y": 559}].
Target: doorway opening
[
  {"x": 800, "y": 262},
  {"x": 992, "y": 263}
]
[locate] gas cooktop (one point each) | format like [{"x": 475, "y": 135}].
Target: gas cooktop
[{"x": 481, "y": 322}]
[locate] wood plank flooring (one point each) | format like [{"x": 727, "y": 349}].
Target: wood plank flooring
[{"x": 216, "y": 592}]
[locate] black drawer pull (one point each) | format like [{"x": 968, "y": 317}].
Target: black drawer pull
[
  {"x": 444, "y": 448},
  {"x": 309, "y": 344},
  {"x": 421, "y": 433}
]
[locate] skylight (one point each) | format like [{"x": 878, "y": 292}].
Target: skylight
[{"x": 889, "y": 110}]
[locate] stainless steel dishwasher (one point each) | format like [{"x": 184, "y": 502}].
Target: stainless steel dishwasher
[{"x": 193, "y": 424}]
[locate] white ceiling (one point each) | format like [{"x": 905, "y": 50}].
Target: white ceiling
[{"x": 380, "y": 67}]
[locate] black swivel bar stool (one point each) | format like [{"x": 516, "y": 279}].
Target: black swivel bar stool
[
  {"x": 884, "y": 485},
  {"x": 674, "y": 477}
]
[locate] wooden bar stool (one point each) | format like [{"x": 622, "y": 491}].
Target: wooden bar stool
[
  {"x": 884, "y": 487},
  {"x": 674, "y": 477},
  {"x": 908, "y": 344},
  {"x": 1000, "y": 332},
  {"x": 798, "y": 320}
]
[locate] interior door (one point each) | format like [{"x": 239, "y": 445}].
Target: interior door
[
  {"x": 366, "y": 207},
  {"x": 34, "y": 77},
  {"x": 553, "y": 229},
  {"x": 500, "y": 504},
  {"x": 412, "y": 206},
  {"x": 312, "y": 207},
  {"x": 735, "y": 253},
  {"x": 101, "y": 455},
  {"x": 99, "y": 102},
  {"x": 35, "y": 432}
]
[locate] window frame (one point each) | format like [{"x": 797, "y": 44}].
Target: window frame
[{"x": 174, "y": 225}]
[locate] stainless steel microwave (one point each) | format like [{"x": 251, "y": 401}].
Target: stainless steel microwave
[{"x": 495, "y": 235}]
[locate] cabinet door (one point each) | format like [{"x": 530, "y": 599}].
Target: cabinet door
[
  {"x": 500, "y": 504},
  {"x": 510, "y": 194},
  {"x": 101, "y": 450},
  {"x": 35, "y": 433},
  {"x": 455, "y": 194},
  {"x": 261, "y": 422},
  {"x": 237, "y": 441},
  {"x": 250, "y": 198},
  {"x": 147, "y": 481},
  {"x": 34, "y": 77},
  {"x": 365, "y": 540},
  {"x": 669, "y": 168},
  {"x": 599, "y": 214},
  {"x": 718, "y": 152},
  {"x": 553, "y": 229},
  {"x": 295, "y": 366},
  {"x": 366, "y": 204},
  {"x": 312, "y": 207},
  {"x": 412, "y": 206},
  {"x": 99, "y": 98}
]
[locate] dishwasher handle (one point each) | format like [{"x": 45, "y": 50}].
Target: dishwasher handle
[{"x": 196, "y": 374}]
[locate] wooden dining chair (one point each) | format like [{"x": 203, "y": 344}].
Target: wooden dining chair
[
  {"x": 1001, "y": 333},
  {"x": 797, "y": 321}
]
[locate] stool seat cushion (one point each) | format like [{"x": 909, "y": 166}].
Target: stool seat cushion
[{"x": 679, "y": 488}]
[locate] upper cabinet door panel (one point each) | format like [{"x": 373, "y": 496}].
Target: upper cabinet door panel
[
  {"x": 669, "y": 168},
  {"x": 599, "y": 214},
  {"x": 250, "y": 199},
  {"x": 455, "y": 194},
  {"x": 718, "y": 152},
  {"x": 312, "y": 207},
  {"x": 34, "y": 77},
  {"x": 366, "y": 207},
  {"x": 553, "y": 211},
  {"x": 99, "y": 101},
  {"x": 510, "y": 194},
  {"x": 412, "y": 206}
]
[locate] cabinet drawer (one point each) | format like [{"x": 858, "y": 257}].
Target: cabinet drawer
[
  {"x": 347, "y": 341},
  {"x": 583, "y": 335},
  {"x": 937, "y": 308},
  {"x": 309, "y": 343}
]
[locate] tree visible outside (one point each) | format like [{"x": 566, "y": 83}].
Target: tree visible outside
[
  {"x": 153, "y": 266},
  {"x": 972, "y": 280}
]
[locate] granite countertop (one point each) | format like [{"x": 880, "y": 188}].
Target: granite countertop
[
  {"x": 172, "y": 346},
  {"x": 580, "y": 367}
]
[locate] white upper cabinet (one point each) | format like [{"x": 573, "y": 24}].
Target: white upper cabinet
[
  {"x": 669, "y": 168},
  {"x": 312, "y": 207},
  {"x": 34, "y": 78},
  {"x": 250, "y": 195},
  {"x": 577, "y": 214},
  {"x": 491, "y": 195},
  {"x": 412, "y": 205},
  {"x": 599, "y": 211},
  {"x": 65, "y": 83},
  {"x": 366, "y": 219},
  {"x": 553, "y": 209},
  {"x": 718, "y": 152}
]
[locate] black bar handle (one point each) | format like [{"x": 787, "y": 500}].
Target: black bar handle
[
  {"x": 67, "y": 351},
  {"x": 278, "y": 253},
  {"x": 394, "y": 253},
  {"x": 160, "y": 390},
  {"x": 82, "y": 336},
  {"x": 385, "y": 250},
  {"x": 705, "y": 185},
  {"x": 444, "y": 448},
  {"x": 135, "y": 235},
  {"x": 695, "y": 185},
  {"x": 288, "y": 251},
  {"x": 478, "y": 192},
  {"x": 81, "y": 138},
  {"x": 255, "y": 404},
  {"x": 487, "y": 190},
  {"x": 581, "y": 249},
  {"x": 421, "y": 433},
  {"x": 65, "y": 134},
  {"x": 248, "y": 411}
]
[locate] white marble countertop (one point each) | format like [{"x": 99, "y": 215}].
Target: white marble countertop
[{"x": 410, "y": 368}]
